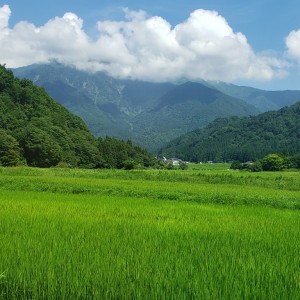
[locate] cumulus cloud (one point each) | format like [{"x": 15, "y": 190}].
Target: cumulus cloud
[
  {"x": 5, "y": 13},
  {"x": 293, "y": 45},
  {"x": 140, "y": 47}
]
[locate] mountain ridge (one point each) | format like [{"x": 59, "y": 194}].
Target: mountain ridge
[
  {"x": 263, "y": 100},
  {"x": 151, "y": 114}
]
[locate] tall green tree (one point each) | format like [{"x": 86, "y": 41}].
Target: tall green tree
[
  {"x": 9, "y": 150},
  {"x": 40, "y": 150},
  {"x": 272, "y": 162}
]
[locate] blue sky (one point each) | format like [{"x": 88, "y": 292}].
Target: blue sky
[{"x": 246, "y": 42}]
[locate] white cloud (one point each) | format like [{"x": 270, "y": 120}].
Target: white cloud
[
  {"x": 293, "y": 45},
  {"x": 5, "y": 13},
  {"x": 141, "y": 47}
]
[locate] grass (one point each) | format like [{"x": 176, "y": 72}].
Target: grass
[{"x": 84, "y": 234}]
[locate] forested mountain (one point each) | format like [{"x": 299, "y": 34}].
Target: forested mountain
[
  {"x": 243, "y": 139},
  {"x": 151, "y": 114},
  {"x": 107, "y": 105},
  {"x": 186, "y": 107},
  {"x": 262, "y": 100},
  {"x": 37, "y": 131}
]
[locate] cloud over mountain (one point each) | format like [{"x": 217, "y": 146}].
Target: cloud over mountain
[
  {"x": 141, "y": 47},
  {"x": 293, "y": 44}
]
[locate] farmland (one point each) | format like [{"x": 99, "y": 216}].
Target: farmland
[{"x": 202, "y": 233}]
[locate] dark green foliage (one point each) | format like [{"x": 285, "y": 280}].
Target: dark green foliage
[
  {"x": 255, "y": 167},
  {"x": 129, "y": 164},
  {"x": 236, "y": 165},
  {"x": 295, "y": 161},
  {"x": 9, "y": 150},
  {"x": 37, "y": 129},
  {"x": 120, "y": 154},
  {"x": 243, "y": 139},
  {"x": 183, "y": 166},
  {"x": 272, "y": 162},
  {"x": 6, "y": 80},
  {"x": 40, "y": 149}
]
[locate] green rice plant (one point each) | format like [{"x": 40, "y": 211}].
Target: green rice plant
[
  {"x": 86, "y": 234},
  {"x": 206, "y": 187}
]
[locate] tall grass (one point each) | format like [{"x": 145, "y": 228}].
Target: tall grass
[
  {"x": 279, "y": 190},
  {"x": 77, "y": 234}
]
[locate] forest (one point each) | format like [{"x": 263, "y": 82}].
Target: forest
[
  {"x": 241, "y": 138},
  {"x": 37, "y": 131}
]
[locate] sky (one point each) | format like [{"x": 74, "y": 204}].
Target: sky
[{"x": 254, "y": 43}]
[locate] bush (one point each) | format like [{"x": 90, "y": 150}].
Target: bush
[
  {"x": 272, "y": 162},
  {"x": 295, "y": 161},
  {"x": 255, "y": 167},
  {"x": 129, "y": 164},
  {"x": 183, "y": 166},
  {"x": 236, "y": 165}
]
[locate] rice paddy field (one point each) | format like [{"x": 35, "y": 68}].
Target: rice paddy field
[{"x": 201, "y": 233}]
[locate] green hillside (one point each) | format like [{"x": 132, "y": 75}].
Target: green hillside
[
  {"x": 243, "y": 139},
  {"x": 107, "y": 105},
  {"x": 151, "y": 114},
  {"x": 184, "y": 108},
  {"x": 37, "y": 131}
]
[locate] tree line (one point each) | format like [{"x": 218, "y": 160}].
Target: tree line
[
  {"x": 271, "y": 162},
  {"x": 243, "y": 139}
]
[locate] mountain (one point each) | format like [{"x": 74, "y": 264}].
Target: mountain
[
  {"x": 262, "y": 100},
  {"x": 184, "y": 108},
  {"x": 151, "y": 114},
  {"x": 107, "y": 105},
  {"x": 245, "y": 138},
  {"x": 37, "y": 131}
]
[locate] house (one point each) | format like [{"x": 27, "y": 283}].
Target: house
[{"x": 173, "y": 161}]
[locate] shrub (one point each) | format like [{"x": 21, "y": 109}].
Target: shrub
[
  {"x": 272, "y": 162},
  {"x": 236, "y": 165},
  {"x": 129, "y": 164},
  {"x": 255, "y": 167}
]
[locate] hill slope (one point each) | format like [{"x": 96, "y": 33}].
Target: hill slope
[
  {"x": 107, "y": 105},
  {"x": 150, "y": 114},
  {"x": 43, "y": 132},
  {"x": 243, "y": 139},
  {"x": 38, "y": 131},
  {"x": 184, "y": 108}
]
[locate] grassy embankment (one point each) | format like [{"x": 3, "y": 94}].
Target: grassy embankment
[{"x": 195, "y": 234}]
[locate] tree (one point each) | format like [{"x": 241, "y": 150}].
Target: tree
[
  {"x": 255, "y": 167},
  {"x": 120, "y": 154},
  {"x": 272, "y": 162},
  {"x": 40, "y": 150},
  {"x": 6, "y": 79},
  {"x": 129, "y": 164},
  {"x": 295, "y": 161},
  {"x": 236, "y": 165},
  {"x": 9, "y": 150}
]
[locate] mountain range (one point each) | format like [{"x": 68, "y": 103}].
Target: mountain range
[
  {"x": 150, "y": 114},
  {"x": 262, "y": 100}
]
